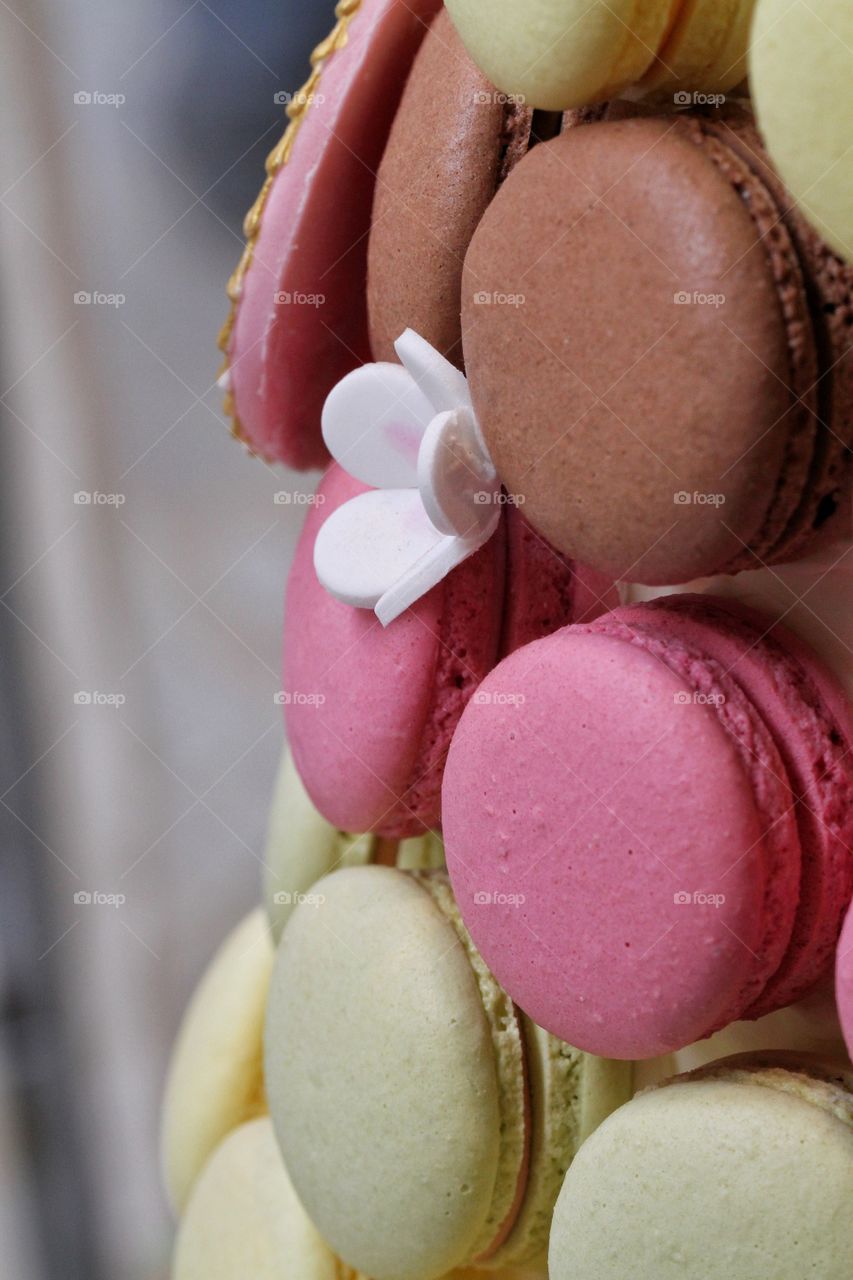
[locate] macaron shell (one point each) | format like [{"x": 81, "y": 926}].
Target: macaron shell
[
  {"x": 801, "y": 65},
  {"x": 706, "y": 48},
  {"x": 582, "y": 803},
  {"x": 817, "y": 757},
  {"x": 371, "y": 710},
  {"x": 844, "y": 981},
  {"x": 215, "y": 1080},
  {"x": 628, "y": 207},
  {"x": 381, "y": 1075},
  {"x": 439, "y": 172},
  {"x": 300, "y": 319},
  {"x": 712, "y": 1179},
  {"x": 562, "y": 53},
  {"x": 244, "y": 1219}
]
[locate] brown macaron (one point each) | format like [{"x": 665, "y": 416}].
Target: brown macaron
[
  {"x": 667, "y": 385},
  {"x": 454, "y": 139}
]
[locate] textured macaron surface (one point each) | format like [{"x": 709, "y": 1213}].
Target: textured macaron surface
[
  {"x": 719, "y": 1179},
  {"x": 620, "y": 833},
  {"x": 370, "y": 711},
  {"x": 684, "y": 410},
  {"x": 382, "y": 1077}
]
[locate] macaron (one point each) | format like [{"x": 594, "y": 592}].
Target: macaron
[
  {"x": 453, "y": 140},
  {"x": 370, "y": 711},
  {"x": 424, "y": 1124},
  {"x": 844, "y": 981},
  {"x": 244, "y": 1218},
  {"x": 298, "y": 322},
  {"x": 302, "y": 847},
  {"x": 566, "y": 53},
  {"x": 712, "y": 431},
  {"x": 215, "y": 1079},
  {"x": 740, "y": 1170},
  {"x": 664, "y": 801},
  {"x": 800, "y": 71}
]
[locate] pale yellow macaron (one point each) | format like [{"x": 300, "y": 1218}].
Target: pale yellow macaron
[
  {"x": 215, "y": 1079},
  {"x": 556, "y": 54},
  {"x": 245, "y": 1222},
  {"x": 801, "y": 76},
  {"x": 426, "y": 1124},
  {"x": 741, "y": 1170},
  {"x": 302, "y": 847}
]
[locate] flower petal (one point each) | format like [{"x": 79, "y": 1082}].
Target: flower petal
[
  {"x": 371, "y": 542},
  {"x": 373, "y": 424},
  {"x": 458, "y": 482},
  {"x": 439, "y": 380},
  {"x": 432, "y": 568}
]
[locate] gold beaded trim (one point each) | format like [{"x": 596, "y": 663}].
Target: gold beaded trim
[{"x": 345, "y": 10}]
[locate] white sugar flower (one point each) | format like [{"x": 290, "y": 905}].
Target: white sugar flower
[{"x": 410, "y": 431}]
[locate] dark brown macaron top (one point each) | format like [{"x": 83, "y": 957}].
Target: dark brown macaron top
[
  {"x": 664, "y": 379},
  {"x": 454, "y": 139}
]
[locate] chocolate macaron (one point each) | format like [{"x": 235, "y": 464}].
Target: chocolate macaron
[
  {"x": 667, "y": 382},
  {"x": 453, "y": 141}
]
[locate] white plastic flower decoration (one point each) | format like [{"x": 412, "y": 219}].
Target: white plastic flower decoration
[{"x": 409, "y": 430}]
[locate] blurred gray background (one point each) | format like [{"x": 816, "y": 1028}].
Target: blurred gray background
[{"x": 140, "y": 629}]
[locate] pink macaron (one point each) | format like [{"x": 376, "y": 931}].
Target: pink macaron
[
  {"x": 370, "y": 711},
  {"x": 844, "y": 981},
  {"x": 300, "y": 312},
  {"x": 649, "y": 822}
]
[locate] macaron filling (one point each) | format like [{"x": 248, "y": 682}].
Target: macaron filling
[{"x": 513, "y": 1091}]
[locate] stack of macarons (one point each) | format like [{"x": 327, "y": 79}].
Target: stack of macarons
[{"x": 560, "y": 298}]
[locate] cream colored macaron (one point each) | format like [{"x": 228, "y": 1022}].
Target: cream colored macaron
[
  {"x": 741, "y": 1170},
  {"x": 426, "y": 1126},
  {"x": 556, "y": 54},
  {"x": 215, "y": 1079},
  {"x": 244, "y": 1221},
  {"x": 801, "y": 73},
  {"x": 302, "y": 847}
]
